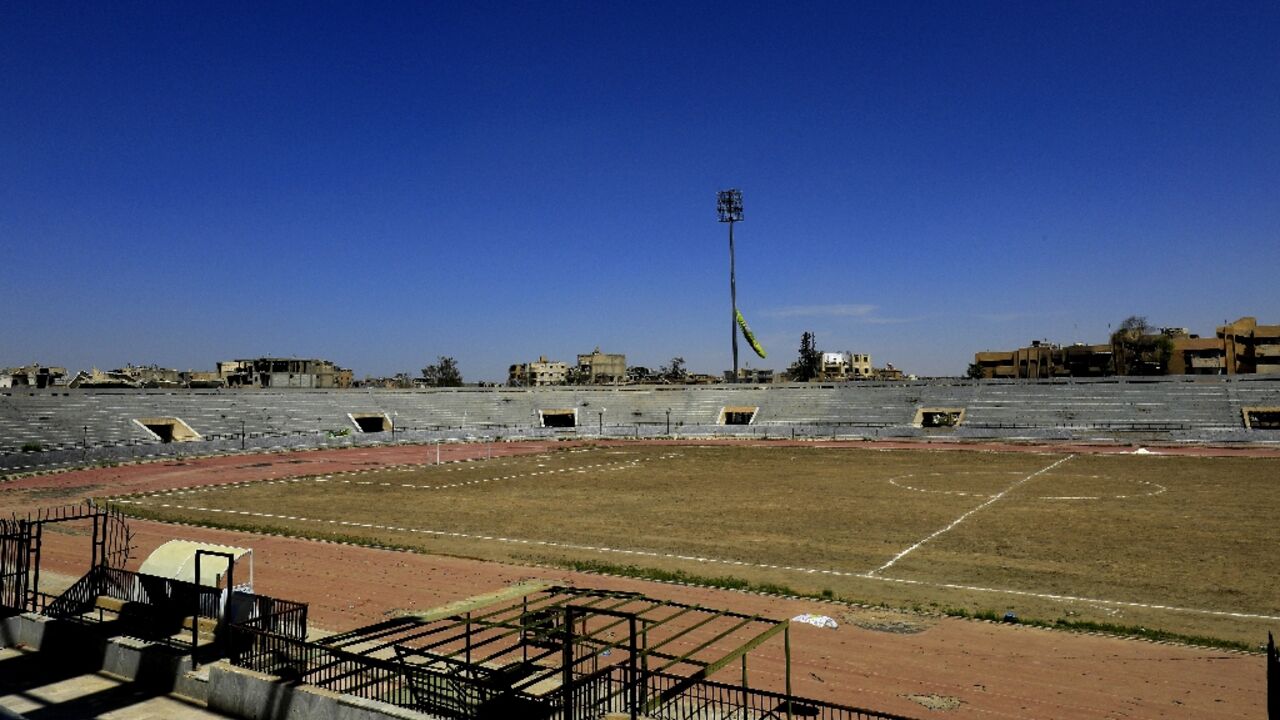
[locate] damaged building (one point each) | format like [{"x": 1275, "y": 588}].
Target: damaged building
[
  {"x": 33, "y": 375},
  {"x": 270, "y": 372}
]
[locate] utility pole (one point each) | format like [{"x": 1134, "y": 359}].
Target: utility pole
[{"x": 729, "y": 209}]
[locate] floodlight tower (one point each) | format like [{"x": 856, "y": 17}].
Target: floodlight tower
[{"x": 729, "y": 207}]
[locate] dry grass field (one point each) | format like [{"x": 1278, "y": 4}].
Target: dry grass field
[{"x": 1180, "y": 544}]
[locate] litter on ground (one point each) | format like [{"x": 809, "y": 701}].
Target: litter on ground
[{"x": 821, "y": 621}]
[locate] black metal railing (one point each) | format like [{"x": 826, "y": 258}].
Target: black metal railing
[
  {"x": 75, "y": 600},
  {"x": 157, "y": 607},
  {"x": 272, "y": 615},
  {"x": 1273, "y": 679},
  {"x": 449, "y": 691},
  {"x": 166, "y": 596},
  {"x": 150, "y": 607},
  {"x": 463, "y": 692},
  {"x": 15, "y": 558},
  {"x": 710, "y": 700}
]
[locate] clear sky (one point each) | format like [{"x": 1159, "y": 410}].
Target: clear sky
[{"x": 383, "y": 183}]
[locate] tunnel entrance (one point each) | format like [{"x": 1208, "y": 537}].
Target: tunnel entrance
[
  {"x": 168, "y": 429},
  {"x": 737, "y": 415},
  {"x": 371, "y": 422},
  {"x": 559, "y": 418},
  {"x": 1261, "y": 418},
  {"x": 938, "y": 418}
]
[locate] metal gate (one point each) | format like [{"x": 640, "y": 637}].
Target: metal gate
[
  {"x": 21, "y": 540},
  {"x": 15, "y": 563},
  {"x": 1273, "y": 679}
]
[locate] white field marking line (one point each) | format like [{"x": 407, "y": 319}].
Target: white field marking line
[
  {"x": 332, "y": 477},
  {"x": 1076, "y": 598},
  {"x": 327, "y": 478},
  {"x": 1159, "y": 489},
  {"x": 718, "y": 561},
  {"x": 962, "y": 518}
]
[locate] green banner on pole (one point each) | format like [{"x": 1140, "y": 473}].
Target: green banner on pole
[{"x": 750, "y": 336}]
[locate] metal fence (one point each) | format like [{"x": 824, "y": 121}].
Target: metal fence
[
  {"x": 1273, "y": 679},
  {"x": 150, "y": 607},
  {"x": 268, "y": 635},
  {"x": 15, "y": 558},
  {"x": 449, "y": 691},
  {"x": 709, "y": 700},
  {"x": 272, "y": 615},
  {"x": 158, "y": 598},
  {"x": 469, "y": 692},
  {"x": 156, "y": 608}
]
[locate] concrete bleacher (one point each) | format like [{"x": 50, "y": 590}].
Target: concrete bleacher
[{"x": 1178, "y": 408}]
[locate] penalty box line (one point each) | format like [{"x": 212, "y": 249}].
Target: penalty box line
[{"x": 963, "y": 517}]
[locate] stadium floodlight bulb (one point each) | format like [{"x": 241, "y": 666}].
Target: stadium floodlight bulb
[{"x": 729, "y": 205}]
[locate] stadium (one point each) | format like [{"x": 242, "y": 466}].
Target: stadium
[
  {"x": 1123, "y": 516},
  {"x": 367, "y": 361}
]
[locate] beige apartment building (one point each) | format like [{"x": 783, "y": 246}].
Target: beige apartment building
[
  {"x": 1248, "y": 347},
  {"x": 600, "y": 368},
  {"x": 840, "y": 366},
  {"x": 541, "y": 373},
  {"x": 1239, "y": 348},
  {"x": 275, "y": 372}
]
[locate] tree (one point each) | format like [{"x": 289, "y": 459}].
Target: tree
[
  {"x": 674, "y": 372},
  {"x": 444, "y": 373},
  {"x": 809, "y": 363},
  {"x": 1139, "y": 349},
  {"x": 975, "y": 372}
]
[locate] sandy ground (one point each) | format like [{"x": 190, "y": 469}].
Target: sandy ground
[{"x": 977, "y": 669}]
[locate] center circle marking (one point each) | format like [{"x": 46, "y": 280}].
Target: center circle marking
[{"x": 1146, "y": 488}]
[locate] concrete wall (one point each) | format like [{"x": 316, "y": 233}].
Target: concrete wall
[
  {"x": 63, "y": 422},
  {"x": 233, "y": 691},
  {"x": 254, "y": 696}
]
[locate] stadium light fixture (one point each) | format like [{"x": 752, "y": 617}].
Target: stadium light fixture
[{"x": 729, "y": 208}]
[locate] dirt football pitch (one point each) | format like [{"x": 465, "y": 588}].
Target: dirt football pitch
[{"x": 1170, "y": 543}]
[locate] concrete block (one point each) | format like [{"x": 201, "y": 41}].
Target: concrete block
[
  {"x": 141, "y": 661},
  {"x": 257, "y": 696},
  {"x": 123, "y": 657},
  {"x": 247, "y": 694},
  {"x": 193, "y": 685},
  {"x": 11, "y": 631},
  {"x": 32, "y": 629}
]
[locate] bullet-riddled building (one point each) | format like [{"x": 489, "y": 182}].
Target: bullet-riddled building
[
  {"x": 840, "y": 366},
  {"x": 33, "y": 375},
  {"x": 600, "y": 368},
  {"x": 538, "y": 374},
  {"x": 269, "y": 372}
]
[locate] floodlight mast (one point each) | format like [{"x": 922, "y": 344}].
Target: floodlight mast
[{"x": 729, "y": 208}]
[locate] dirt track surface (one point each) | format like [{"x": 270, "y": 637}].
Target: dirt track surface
[{"x": 993, "y": 671}]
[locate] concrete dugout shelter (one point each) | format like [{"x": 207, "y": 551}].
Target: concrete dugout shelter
[{"x": 176, "y": 560}]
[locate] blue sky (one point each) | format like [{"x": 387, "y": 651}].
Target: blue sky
[{"x": 380, "y": 184}]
